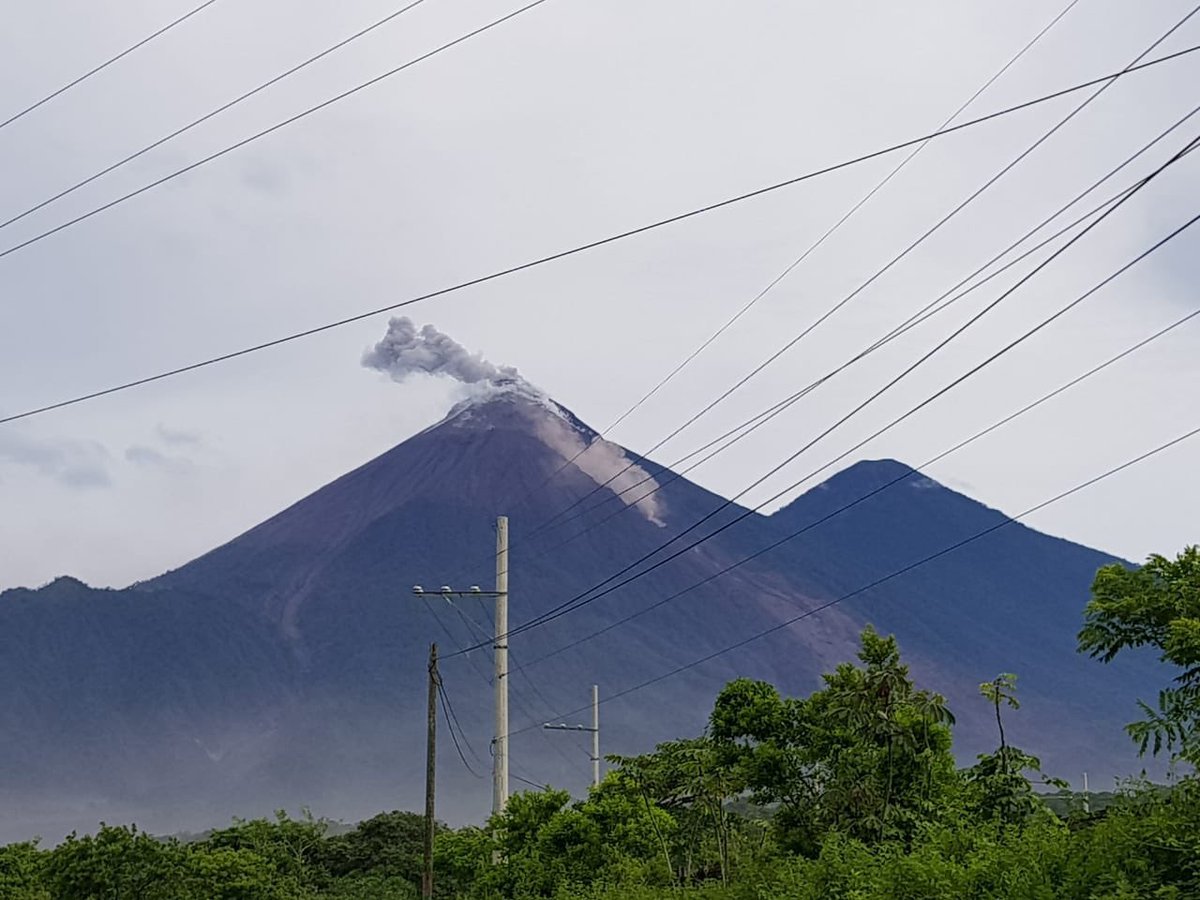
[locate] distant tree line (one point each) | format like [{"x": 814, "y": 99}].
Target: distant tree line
[{"x": 851, "y": 792}]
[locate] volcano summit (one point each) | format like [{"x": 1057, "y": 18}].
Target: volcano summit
[{"x": 287, "y": 667}]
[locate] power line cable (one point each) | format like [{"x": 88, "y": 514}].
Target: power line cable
[
  {"x": 578, "y": 249},
  {"x": 450, "y": 636},
  {"x": 104, "y": 65},
  {"x": 714, "y": 447},
  {"x": 451, "y": 720},
  {"x": 478, "y": 632},
  {"x": 939, "y": 304},
  {"x": 866, "y": 198},
  {"x": 261, "y": 134},
  {"x": 895, "y": 260},
  {"x": 1008, "y": 520},
  {"x": 841, "y": 221},
  {"x": 916, "y": 470},
  {"x": 746, "y": 428},
  {"x": 532, "y": 784},
  {"x": 449, "y": 708},
  {"x": 216, "y": 112},
  {"x": 583, "y": 598}
]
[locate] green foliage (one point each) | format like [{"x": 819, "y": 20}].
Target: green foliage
[
  {"x": 1146, "y": 846},
  {"x": 21, "y": 872},
  {"x": 691, "y": 781},
  {"x": 389, "y": 845},
  {"x": 117, "y": 862},
  {"x": 868, "y": 756},
  {"x": 998, "y": 786},
  {"x": 850, "y": 793},
  {"x": 1157, "y": 605}
]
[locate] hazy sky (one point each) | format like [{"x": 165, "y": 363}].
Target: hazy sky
[{"x": 574, "y": 121}]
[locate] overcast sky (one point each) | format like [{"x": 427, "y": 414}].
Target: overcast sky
[{"x": 576, "y": 120}]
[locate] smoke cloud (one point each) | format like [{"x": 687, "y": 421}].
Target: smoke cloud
[{"x": 406, "y": 350}]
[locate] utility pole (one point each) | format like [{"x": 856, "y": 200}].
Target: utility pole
[
  {"x": 594, "y": 728},
  {"x": 500, "y": 650},
  {"x": 500, "y": 762},
  {"x": 596, "y": 735},
  {"x": 430, "y": 768}
]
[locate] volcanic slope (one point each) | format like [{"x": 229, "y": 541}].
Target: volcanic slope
[{"x": 287, "y": 666}]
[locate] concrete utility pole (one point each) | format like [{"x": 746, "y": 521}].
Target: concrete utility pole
[
  {"x": 430, "y": 770},
  {"x": 500, "y": 650},
  {"x": 594, "y": 729},
  {"x": 500, "y": 764}
]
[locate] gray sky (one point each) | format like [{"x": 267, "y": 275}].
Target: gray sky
[{"x": 572, "y": 122}]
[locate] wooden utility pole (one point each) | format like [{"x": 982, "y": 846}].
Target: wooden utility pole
[
  {"x": 500, "y": 649},
  {"x": 430, "y": 770}
]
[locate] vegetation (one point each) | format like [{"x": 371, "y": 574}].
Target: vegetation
[{"x": 852, "y": 792}]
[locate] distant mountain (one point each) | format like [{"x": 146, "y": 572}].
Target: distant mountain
[
  {"x": 1010, "y": 601},
  {"x": 287, "y": 666}
]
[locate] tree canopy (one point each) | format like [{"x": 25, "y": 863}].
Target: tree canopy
[{"x": 1156, "y": 605}]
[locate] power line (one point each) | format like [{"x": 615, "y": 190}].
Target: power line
[
  {"x": 1008, "y": 520},
  {"x": 807, "y": 252},
  {"x": 935, "y": 306},
  {"x": 583, "y": 597},
  {"x": 532, "y": 784},
  {"x": 483, "y": 634},
  {"x": 451, "y": 721},
  {"x": 747, "y": 427},
  {"x": 104, "y": 65},
  {"x": 449, "y": 709},
  {"x": 739, "y": 432},
  {"x": 477, "y": 632},
  {"x": 1128, "y": 351},
  {"x": 806, "y": 331},
  {"x": 278, "y": 125},
  {"x": 225, "y": 357},
  {"x": 840, "y": 222},
  {"x": 940, "y": 304},
  {"x": 220, "y": 109}
]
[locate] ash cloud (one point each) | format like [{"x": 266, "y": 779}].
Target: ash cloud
[{"x": 407, "y": 350}]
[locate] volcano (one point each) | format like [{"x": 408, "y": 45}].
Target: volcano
[{"x": 287, "y": 667}]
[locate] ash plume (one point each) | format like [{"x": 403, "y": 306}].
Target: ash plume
[{"x": 406, "y": 350}]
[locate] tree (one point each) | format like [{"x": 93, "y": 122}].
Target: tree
[
  {"x": 389, "y": 844},
  {"x": 1157, "y": 605},
  {"x": 867, "y": 756},
  {"x": 1000, "y": 788},
  {"x": 117, "y": 862},
  {"x": 690, "y": 780},
  {"x": 1001, "y": 690}
]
